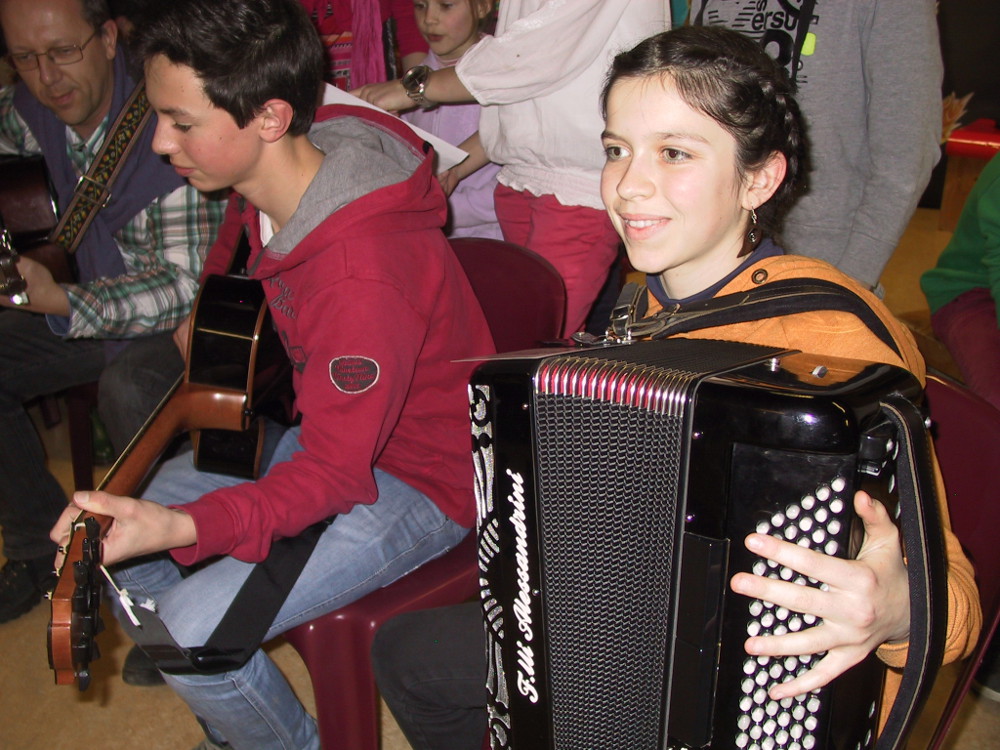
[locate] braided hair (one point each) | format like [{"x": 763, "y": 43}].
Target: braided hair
[{"x": 730, "y": 78}]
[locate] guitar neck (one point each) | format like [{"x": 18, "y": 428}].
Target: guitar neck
[
  {"x": 187, "y": 406},
  {"x": 214, "y": 395}
]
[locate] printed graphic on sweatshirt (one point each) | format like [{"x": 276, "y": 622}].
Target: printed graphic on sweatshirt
[
  {"x": 354, "y": 374},
  {"x": 282, "y": 302},
  {"x": 776, "y": 24}
]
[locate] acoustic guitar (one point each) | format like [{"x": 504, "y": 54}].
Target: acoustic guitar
[
  {"x": 27, "y": 218},
  {"x": 235, "y": 365}
]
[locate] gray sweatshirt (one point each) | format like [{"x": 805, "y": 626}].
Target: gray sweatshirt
[{"x": 869, "y": 84}]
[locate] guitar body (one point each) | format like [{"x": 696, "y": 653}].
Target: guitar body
[
  {"x": 26, "y": 200},
  {"x": 27, "y": 217},
  {"x": 231, "y": 344}
]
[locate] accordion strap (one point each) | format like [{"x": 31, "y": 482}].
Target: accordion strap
[
  {"x": 778, "y": 298},
  {"x": 926, "y": 568}
]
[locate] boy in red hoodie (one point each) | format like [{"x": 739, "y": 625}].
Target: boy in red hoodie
[{"x": 343, "y": 214}]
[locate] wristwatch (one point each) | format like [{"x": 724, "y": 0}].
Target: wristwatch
[{"x": 414, "y": 82}]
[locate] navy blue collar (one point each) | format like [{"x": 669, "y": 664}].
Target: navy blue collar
[{"x": 766, "y": 249}]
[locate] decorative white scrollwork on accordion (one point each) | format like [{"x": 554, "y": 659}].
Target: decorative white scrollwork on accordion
[{"x": 483, "y": 461}]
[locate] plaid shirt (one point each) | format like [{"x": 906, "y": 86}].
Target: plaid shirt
[{"x": 163, "y": 248}]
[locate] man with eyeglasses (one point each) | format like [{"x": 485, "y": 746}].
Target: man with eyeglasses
[{"x": 138, "y": 266}]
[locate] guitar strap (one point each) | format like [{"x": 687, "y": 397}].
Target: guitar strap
[
  {"x": 94, "y": 188},
  {"x": 243, "y": 626}
]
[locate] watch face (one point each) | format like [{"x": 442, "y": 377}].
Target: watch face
[{"x": 415, "y": 77}]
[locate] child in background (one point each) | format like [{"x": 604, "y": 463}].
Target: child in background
[
  {"x": 451, "y": 27},
  {"x": 353, "y": 35},
  {"x": 538, "y": 78}
]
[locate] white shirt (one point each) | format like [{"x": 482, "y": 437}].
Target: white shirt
[{"x": 539, "y": 80}]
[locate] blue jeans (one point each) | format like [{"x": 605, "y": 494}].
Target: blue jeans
[{"x": 253, "y": 707}]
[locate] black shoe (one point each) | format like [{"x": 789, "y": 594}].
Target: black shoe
[
  {"x": 22, "y": 584},
  {"x": 139, "y": 669}
]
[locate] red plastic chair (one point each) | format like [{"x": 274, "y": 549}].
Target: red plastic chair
[
  {"x": 966, "y": 433},
  {"x": 524, "y": 301},
  {"x": 522, "y": 295}
]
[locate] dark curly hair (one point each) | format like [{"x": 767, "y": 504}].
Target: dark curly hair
[
  {"x": 245, "y": 52},
  {"x": 731, "y": 79}
]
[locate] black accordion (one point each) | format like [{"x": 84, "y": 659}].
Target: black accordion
[{"x": 615, "y": 487}]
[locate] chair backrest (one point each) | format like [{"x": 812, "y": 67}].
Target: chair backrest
[
  {"x": 522, "y": 295},
  {"x": 966, "y": 433}
]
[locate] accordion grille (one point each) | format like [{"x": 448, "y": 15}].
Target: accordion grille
[{"x": 608, "y": 489}]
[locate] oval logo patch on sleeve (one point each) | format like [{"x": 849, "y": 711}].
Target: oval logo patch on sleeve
[{"x": 354, "y": 374}]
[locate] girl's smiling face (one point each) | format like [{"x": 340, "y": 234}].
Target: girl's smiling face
[{"x": 672, "y": 187}]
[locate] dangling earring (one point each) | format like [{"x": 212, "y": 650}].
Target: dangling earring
[{"x": 752, "y": 235}]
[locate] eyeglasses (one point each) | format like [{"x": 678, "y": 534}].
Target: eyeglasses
[{"x": 66, "y": 55}]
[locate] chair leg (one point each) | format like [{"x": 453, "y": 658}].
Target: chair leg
[
  {"x": 336, "y": 647},
  {"x": 958, "y": 693},
  {"x": 80, "y": 400},
  {"x": 49, "y": 408},
  {"x": 347, "y": 717}
]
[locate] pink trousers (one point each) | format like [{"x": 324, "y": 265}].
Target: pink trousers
[{"x": 580, "y": 242}]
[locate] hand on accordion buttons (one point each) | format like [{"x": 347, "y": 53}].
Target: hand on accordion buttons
[{"x": 863, "y": 603}]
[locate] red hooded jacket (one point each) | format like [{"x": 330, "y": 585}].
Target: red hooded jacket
[{"x": 374, "y": 311}]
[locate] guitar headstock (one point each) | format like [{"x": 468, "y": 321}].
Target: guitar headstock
[{"x": 76, "y": 603}]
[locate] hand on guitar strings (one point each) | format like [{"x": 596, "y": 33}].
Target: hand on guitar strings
[
  {"x": 140, "y": 527},
  {"x": 46, "y": 295},
  {"x": 863, "y": 602}
]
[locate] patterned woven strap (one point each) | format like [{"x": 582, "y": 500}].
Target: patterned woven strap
[{"x": 93, "y": 191}]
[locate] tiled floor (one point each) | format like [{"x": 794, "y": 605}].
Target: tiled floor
[{"x": 34, "y": 713}]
